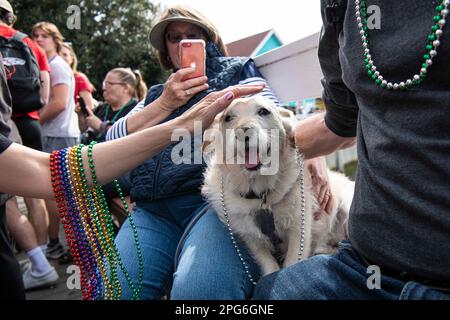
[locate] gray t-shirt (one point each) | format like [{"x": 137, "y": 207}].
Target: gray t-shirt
[
  {"x": 400, "y": 216},
  {"x": 65, "y": 124}
]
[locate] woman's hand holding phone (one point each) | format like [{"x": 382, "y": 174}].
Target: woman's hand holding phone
[
  {"x": 177, "y": 92},
  {"x": 81, "y": 109},
  {"x": 189, "y": 80}
]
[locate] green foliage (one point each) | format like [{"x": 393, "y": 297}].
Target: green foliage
[
  {"x": 350, "y": 169},
  {"x": 112, "y": 33}
]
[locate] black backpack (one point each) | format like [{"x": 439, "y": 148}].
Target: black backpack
[{"x": 23, "y": 73}]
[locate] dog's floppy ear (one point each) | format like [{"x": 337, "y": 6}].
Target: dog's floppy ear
[
  {"x": 209, "y": 134},
  {"x": 289, "y": 120}
]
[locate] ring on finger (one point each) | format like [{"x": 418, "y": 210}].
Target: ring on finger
[{"x": 187, "y": 92}]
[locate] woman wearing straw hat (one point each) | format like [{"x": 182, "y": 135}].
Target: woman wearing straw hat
[{"x": 169, "y": 211}]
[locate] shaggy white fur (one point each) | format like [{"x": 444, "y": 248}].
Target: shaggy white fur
[{"x": 256, "y": 125}]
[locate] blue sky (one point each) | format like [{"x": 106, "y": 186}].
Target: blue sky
[{"x": 237, "y": 19}]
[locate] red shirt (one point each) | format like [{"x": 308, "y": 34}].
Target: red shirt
[
  {"x": 40, "y": 55},
  {"x": 81, "y": 84}
]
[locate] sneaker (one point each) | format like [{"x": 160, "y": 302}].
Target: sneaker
[
  {"x": 31, "y": 281},
  {"x": 24, "y": 265},
  {"x": 66, "y": 258},
  {"x": 55, "y": 252}
]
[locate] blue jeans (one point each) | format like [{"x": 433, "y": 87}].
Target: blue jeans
[
  {"x": 208, "y": 266},
  {"x": 339, "y": 276}
]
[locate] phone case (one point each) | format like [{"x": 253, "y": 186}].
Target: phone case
[
  {"x": 83, "y": 106},
  {"x": 192, "y": 52}
]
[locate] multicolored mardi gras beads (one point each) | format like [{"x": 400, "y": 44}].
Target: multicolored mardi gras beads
[{"x": 88, "y": 226}]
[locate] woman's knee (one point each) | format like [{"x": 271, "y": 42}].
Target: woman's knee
[
  {"x": 211, "y": 284},
  {"x": 157, "y": 242},
  {"x": 209, "y": 266},
  {"x": 302, "y": 281}
]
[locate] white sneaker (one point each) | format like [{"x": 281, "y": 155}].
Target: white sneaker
[
  {"x": 24, "y": 265},
  {"x": 31, "y": 281}
]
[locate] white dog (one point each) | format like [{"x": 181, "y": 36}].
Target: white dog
[{"x": 255, "y": 181}]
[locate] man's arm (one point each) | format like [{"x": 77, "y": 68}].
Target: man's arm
[
  {"x": 314, "y": 138},
  {"x": 335, "y": 129},
  {"x": 57, "y": 104},
  {"x": 45, "y": 86},
  {"x": 19, "y": 163}
]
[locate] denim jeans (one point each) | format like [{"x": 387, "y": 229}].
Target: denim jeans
[
  {"x": 208, "y": 266},
  {"x": 342, "y": 275}
]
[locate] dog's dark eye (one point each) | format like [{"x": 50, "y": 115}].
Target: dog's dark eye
[
  {"x": 228, "y": 118},
  {"x": 263, "y": 112}
]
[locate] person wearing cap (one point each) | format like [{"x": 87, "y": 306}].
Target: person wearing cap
[{"x": 169, "y": 209}]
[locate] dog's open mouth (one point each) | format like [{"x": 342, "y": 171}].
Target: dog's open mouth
[
  {"x": 250, "y": 164},
  {"x": 252, "y": 159}
]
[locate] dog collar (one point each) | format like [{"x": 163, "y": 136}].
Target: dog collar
[
  {"x": 252, "y": 195},
  {"x": 265, "y": 220}
]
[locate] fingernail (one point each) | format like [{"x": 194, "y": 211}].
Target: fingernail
[{"x": 229, "y": 96}]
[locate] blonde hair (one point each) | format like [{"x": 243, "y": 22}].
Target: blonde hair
[
  {"x": 52, "y": 30},
  {"x": 74, "y": 65},
  {"x": 212, "y": 33},
  {"x": 134, "y": 79}
]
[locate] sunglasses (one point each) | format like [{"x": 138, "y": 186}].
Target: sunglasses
[
  {"x": 110, "y": 83},
  {"x": 176, "y": 37}
]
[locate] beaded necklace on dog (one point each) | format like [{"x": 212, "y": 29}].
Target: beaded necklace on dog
[
  {"x": 88, "y": 226},
  {"x": 431, "y": 47},
  {"x": 302, "y": 217}
]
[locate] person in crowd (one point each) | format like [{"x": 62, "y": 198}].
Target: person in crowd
[
  {"x": 31, "y": 234},
  {"x": 38, "y": 272},
  {"x": 83, "y": 87},
  {"x": 58, "y": 118},
  {"x": 122, "y": 89},
  {"x": 10, "y": 276},
  {"x": 167, "y": 196},
  {"x": 396, "y": 101}
]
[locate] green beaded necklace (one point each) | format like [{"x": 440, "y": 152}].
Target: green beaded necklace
[
  {"x": 431, "y": 47},
  {"x": 110, "y": 229}
]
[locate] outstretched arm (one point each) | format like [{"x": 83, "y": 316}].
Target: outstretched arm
[{"x": 24, "y": 171}]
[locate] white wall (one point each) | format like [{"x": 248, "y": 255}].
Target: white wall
[
  {"x": 293, "y": 70},
  {"x": 294, "y": 73}
]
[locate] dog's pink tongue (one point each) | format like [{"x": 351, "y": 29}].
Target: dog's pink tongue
[{"x": 249, "y": 164}]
